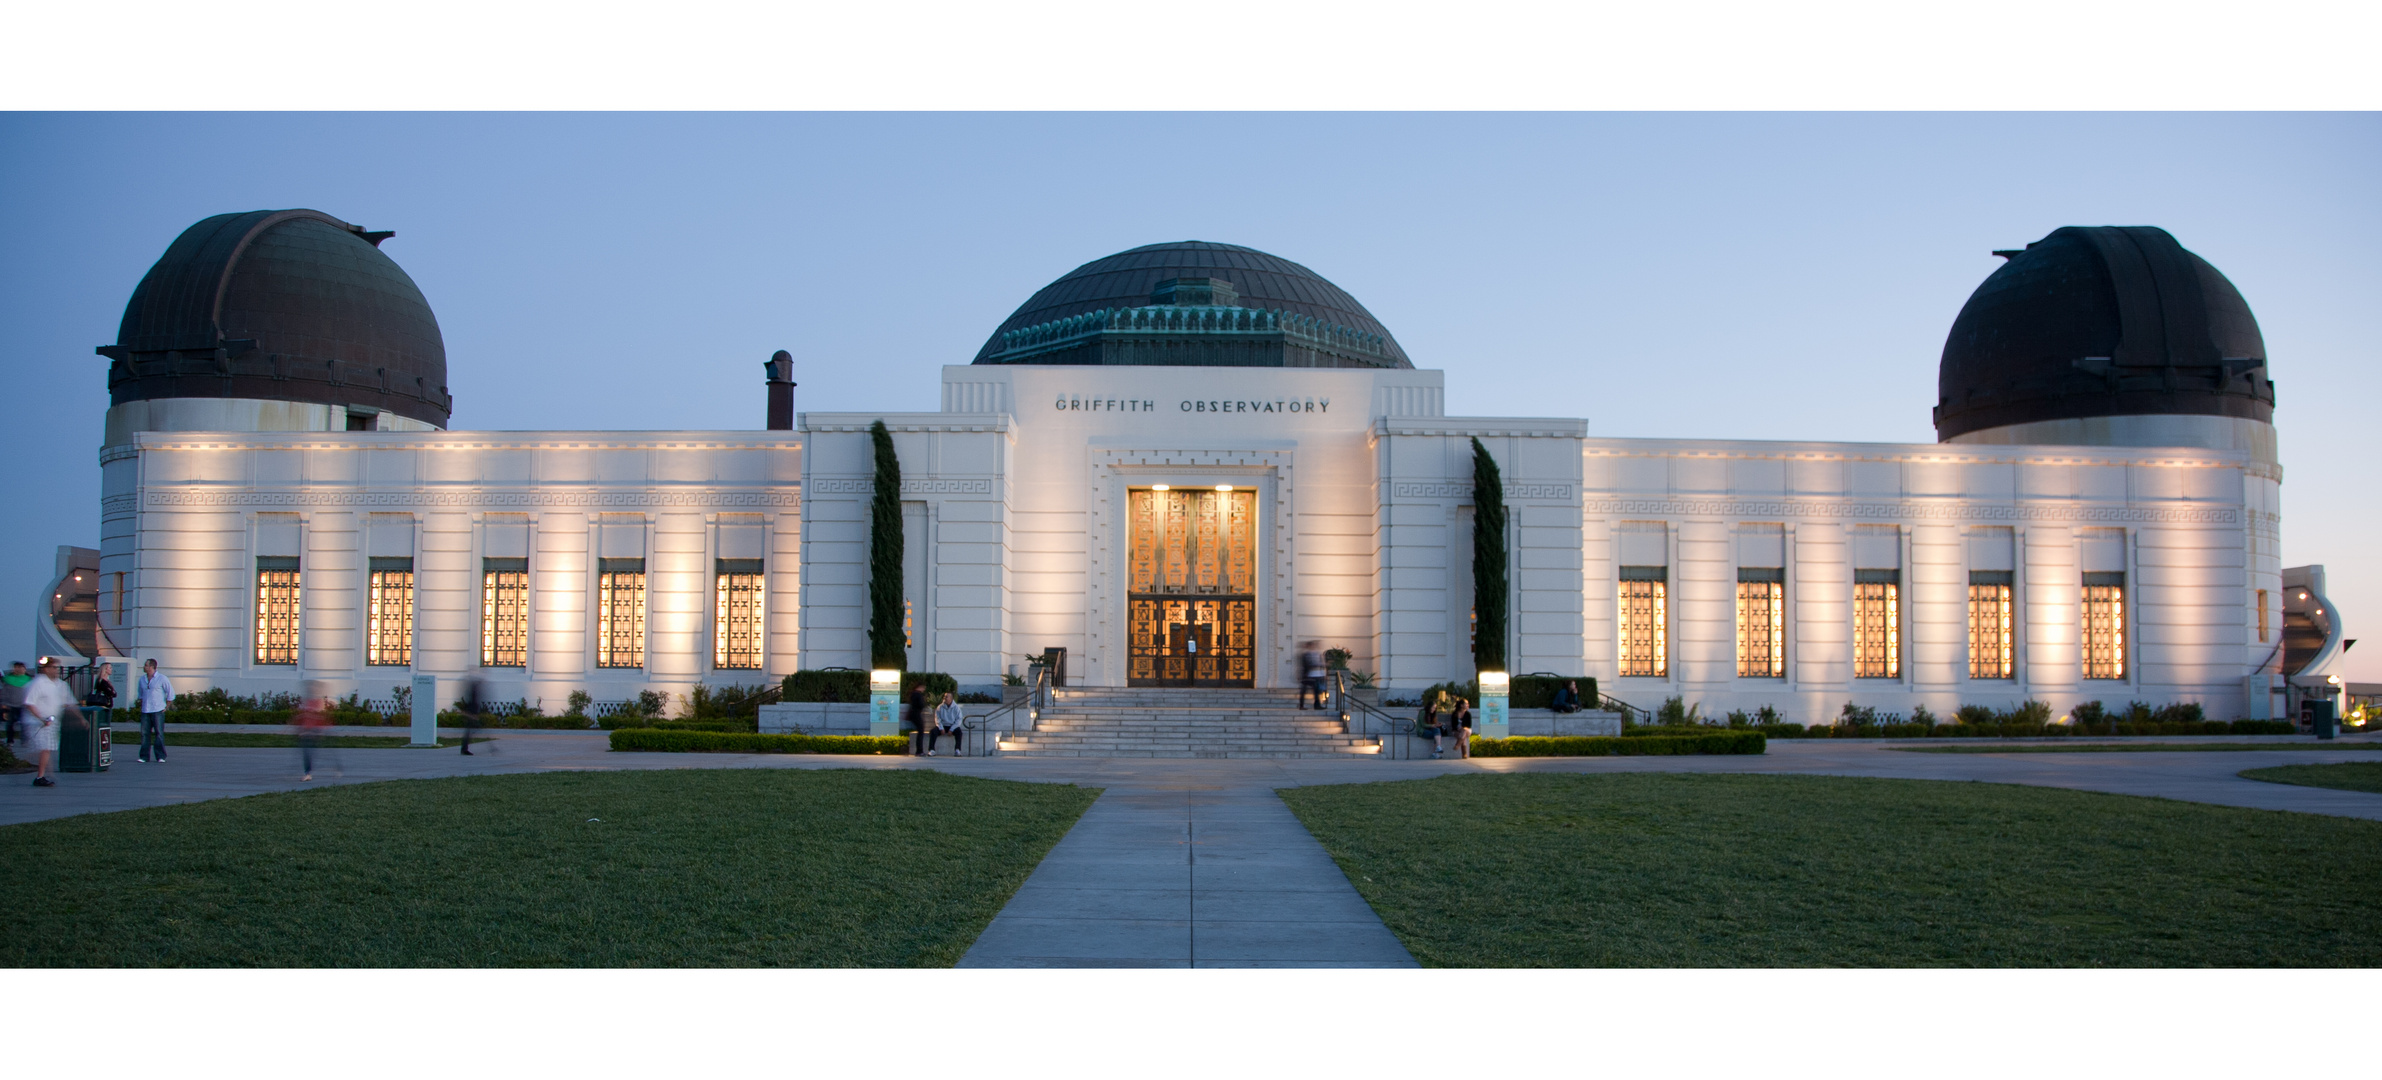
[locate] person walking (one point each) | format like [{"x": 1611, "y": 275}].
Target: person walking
[
  {"x": 45, "y": 705},
  {"x": 1311, "y": 674},
  {"x": 151, "y": 695},
  {"x": 1459, "y": 722},
  {"x": 950, "y": 720},
  {"x": 313, "y": 716},
  {"x": 12, "y": 699},
  {"x": 471, "y": 709},
  {"x": 922, "y": 737}
]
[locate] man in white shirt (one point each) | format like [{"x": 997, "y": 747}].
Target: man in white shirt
[
  {"x": 46, "y": 700},
  {"x": 154, "y": 695}
]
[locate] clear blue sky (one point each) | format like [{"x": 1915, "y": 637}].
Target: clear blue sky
[{"x": 1724, "y": 275}]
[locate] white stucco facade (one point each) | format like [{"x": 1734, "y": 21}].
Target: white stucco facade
[{"x": 1013, "y": 500}]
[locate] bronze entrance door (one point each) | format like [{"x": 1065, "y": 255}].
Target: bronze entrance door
[{"x": 1192, "y": 595}]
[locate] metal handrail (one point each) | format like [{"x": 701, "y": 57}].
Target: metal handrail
[
  {"x": 1358, "y": 718},
  {"x": 1037, "y": 699},
  {"x": 1632, "y": 713}
]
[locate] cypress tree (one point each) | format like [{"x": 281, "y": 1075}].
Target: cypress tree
[
  {"x": 1488, "y": 561},
  {"x": 886, "y": 645}
]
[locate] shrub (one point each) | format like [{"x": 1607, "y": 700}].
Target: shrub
[
  {"x": 975, "y": 698},
  {"x": 1337, "y": 659},
  {"x": 2182, "y": 712},
  {"x": 1676, "y": 712},
  {"x": 1923, "y": 716},
  {"x": 741, "y": 703},
  {"x": 1701, "y": 742},
  {"x": 1469, "y": 690},
  {"x": 580, "y": 700},
  {"x": 844, "y": 684},
  {"x": 715, "y": 742},
  {"x": 1538, "y": 691}
]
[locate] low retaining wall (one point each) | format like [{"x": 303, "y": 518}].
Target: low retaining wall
[
  {"x": 815, "y": 718},
  {"x": 1550, "y": 722}
]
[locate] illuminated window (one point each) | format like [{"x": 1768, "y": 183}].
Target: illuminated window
[
  {"x": 2261, "y": 613},
  {"x": 389, "y": 614},
  {"x": 1990, "y": 653},
  {"x": 909, "y": 640},
  {"x": 277, "y": 610},
  {"x": 1761, "y": 623},
  {"x": 504, "y": 612},
  {"x": 1644, "y": 621},
  {"x": 1877, "y": 624},
  {"x": 736, "y": 630},
  {"x": 2105, "y": 625},
  {"x": 620, "y": 613}
]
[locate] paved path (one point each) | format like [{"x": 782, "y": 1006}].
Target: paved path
[{"x": 1188, "y": 874}]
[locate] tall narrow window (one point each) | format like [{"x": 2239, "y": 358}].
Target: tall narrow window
[
  {"x": 736, "y": 631},
  {"x": 389, "y": 613},
  {"x": 620, "y": 613},
  {"x": 1990, "y": 651},
  {"x": 1877, "y": 624},
  {"x": 2105, "y": 625},
  {"x": 277, "y": 609},
  {"x": 1761, "y": 622},
  {"x": 1645, "y": 621},
  {"x": 2262, "y": 628},
  {"x": 504, "y": 612}
]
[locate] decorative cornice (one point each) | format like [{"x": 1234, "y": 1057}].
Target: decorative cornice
[
  {"x": 1464, "y": 491},
  {"x": 910, "y": 486},
  {"x": 170, "y": 497},
  {"x": 1910, "y": 511}
]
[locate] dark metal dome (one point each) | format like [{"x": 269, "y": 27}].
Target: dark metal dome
[
  {"x": 1320, "y": 324},
  {"x": 2101, "y": 321},
  {"x": 281, "y": 305}
]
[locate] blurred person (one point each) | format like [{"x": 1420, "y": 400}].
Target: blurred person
[
  {"x": 314, "y": 714},
  {"x": 45, "y": 705},
  {"x": 922, "y": 737},
  {"x": 1567, "y": 700},
  {"x": 471, "y": 709},
  {"x": 950, "y": 720},
  {"x": 1435, "y": 718},
  {"x": 103, "y": 692},
  {"x": 1459, "y": 724},
  {"x": 1311, "y": 673},
  {"x": 12, "y": 698},
  {"x": 153, "y": 694}
]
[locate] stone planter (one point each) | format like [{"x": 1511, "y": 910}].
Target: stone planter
[
  {"x": 1011, "y": 695},
  {"x": 1367, "y": 695}
]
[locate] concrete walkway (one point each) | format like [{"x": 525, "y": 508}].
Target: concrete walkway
[{"x": 1187, "y": 875}]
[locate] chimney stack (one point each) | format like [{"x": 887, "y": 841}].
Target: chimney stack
[{"x": 781, "y": 390}]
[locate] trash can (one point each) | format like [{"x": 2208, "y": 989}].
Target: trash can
[
  {"x": 84, "y": 739},
  {"x": 2325, "y": 723}
]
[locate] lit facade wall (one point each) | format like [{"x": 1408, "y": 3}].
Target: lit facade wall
[{"x": 187, "y": 515}]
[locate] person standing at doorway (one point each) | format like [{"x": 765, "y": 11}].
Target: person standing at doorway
[
  {"x": 46, "y": 700},
  {"x": 152, "y": 694},
  {"x": 1311, "y": 673}
]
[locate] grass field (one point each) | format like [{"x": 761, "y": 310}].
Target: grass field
[
  {"x": 800, "y": 867},
  {"x": 2347, "y": 775},
  {"x": 1655, "y": 869},
  {"x": 277, "y": 738},
  {"x": 2130, "y": 748}
]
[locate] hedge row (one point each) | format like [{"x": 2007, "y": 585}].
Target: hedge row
[
  {"x": 723, "y": 742},
  {"x": 844, "y": 685},
  {"x": 2018, "y": 731},
  {"x": 1711, "y": 742}
]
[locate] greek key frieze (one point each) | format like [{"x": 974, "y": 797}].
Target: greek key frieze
[
  {"x": 1464, "y": 491},
  {"x": 924, "y": 486}
]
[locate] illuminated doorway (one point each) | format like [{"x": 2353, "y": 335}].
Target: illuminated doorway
[{"x": 1192, "y": 598}]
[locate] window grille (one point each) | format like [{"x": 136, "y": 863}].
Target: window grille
[
  {"x": 389, "y": 615},
  {"x": 277, "y": 610},
  {"x": 1991, "y": 652},
  {"x": 2105, "y": 625},
  {"x": 620, "y": 613},
  {"x": 1645, "y": 621},
  {"x": 736, "y": 631},
  {"x": 1877, "y": 624},
  {"x": 504, "y": 612},
  {"x": 1761, "y": 623}
]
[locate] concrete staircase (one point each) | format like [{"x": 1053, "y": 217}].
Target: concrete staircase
[{"x": 1160, "y": 723}]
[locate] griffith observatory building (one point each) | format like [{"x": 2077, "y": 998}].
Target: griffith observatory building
[{"x": 1178, "y": 463}]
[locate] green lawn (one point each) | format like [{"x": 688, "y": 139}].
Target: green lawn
[
  {"x": 2347, "y": 776},
  {"x": 2129, "y": 748},
  {"x": 1667, "y": 869},
  {"x": 698, "y": 867},
  {"x": 277, "y": 738}
]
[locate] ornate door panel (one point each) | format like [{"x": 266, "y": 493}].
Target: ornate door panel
[{"x": 1192, "y": 594}]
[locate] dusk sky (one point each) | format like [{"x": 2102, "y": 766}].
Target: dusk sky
[{"x": 1771, "y": 276}]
